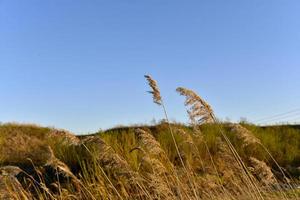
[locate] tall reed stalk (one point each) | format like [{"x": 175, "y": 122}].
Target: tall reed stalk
[
  {"x": 200, "y": 112},
  {"x": 159, "y": 101}
]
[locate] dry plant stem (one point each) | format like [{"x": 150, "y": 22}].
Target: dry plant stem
[
  {"x": 243, "y": 167},
  {"x": 158, "y": 100},
  {"x": 212, "y": 161},
  {"x": 155, "y": 172},
  {"x": 177, "y": 149},
  {"x": 237, "y": 157},
  {"x": 91, "y": 195},
  {"x": 256, "y": 141},
  {"x": 143, "y": 188},
  {"x": 59, "y": 188},
  {"x": 44, "y": 190},
  {"x": 114, "y": 188},
  {"x": 281, "y": 192},
  {"x": 282, "y": 172},
  {"x": 200, "y": 112}
]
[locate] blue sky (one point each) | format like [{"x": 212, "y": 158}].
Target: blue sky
[{"x": 79, "y": 65}]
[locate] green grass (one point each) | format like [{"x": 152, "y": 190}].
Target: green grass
[
  {"x": 100, "y": 183},
  {"x": 282, "y": 141}
]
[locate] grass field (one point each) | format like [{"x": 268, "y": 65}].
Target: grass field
[
  {"x": 205, "y": 159},
  {"x": 142, "y": 163}
]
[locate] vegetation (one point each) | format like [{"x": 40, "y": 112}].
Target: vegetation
[
  {"x": 147, "y": 166},
  {"x": 204, "y": 160}
]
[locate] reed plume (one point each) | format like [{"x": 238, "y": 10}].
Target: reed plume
[
  {"x": 158, "y": 100},
  {"x": 244, "y": 135},
  {"x": 106, "y": 156},
  {"x": 155, "y": 90},
  {"x": 152, "y": 147},
  {"x": 199, "y": 110}
]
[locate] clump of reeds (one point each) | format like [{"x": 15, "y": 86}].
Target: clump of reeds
[
  {"x": 151, "y": 146},
  {"x": 63, "y": 136},
  {"x": 10, "y": 187},
  {"x": 227, "y": 164},
  {"x": 262, "y": 171},
  {"x": 244, "y": 135},
  {"x": 63, "y": 171},
  {"x": 114, "y": 168},
  {"x": 249, "y": 139},
  {"x": 201, "y": 112},
  {"x": 191, "y": 151},
  {"x": 106, "y": 157},
  {"x": 105, "y": 174},
  {"x": 154, "y": 165},
  {"x": 19, "y": 148}
]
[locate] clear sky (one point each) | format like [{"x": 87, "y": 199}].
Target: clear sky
[{"x": 79, "y": 65}]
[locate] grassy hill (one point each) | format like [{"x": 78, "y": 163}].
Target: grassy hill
[{"x": 146, "y": 162}]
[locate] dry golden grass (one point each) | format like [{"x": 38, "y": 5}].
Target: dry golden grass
[
  {"x": 199, "y": 110},
  {"x": 105, "y": 174},
  {"x": 206, "y": 161}
]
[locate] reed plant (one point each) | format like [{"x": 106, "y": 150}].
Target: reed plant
[{"x": 205, "y": 159}]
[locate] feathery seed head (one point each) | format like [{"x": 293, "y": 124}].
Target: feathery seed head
[
  {"x": 155, "y": 90},
  {"x": 244, "y": 135},
  {"x": 199, "y": 110}
]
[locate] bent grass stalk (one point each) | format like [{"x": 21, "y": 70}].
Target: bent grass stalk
[
  {"x": 158, "y": 100},
  {"x": 200, "y": 112},
  {"x": 107, "y": 178}
]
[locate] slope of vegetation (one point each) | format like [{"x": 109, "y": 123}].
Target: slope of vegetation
[
  {"x": 206, "y": 160},
  {"x": 142, "y": 163},
  {"x": 283, "y": 141}
]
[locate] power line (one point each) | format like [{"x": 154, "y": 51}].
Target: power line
[
  {"x": 283, "y": 117},
  {"x": 291, "y": 112}
]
